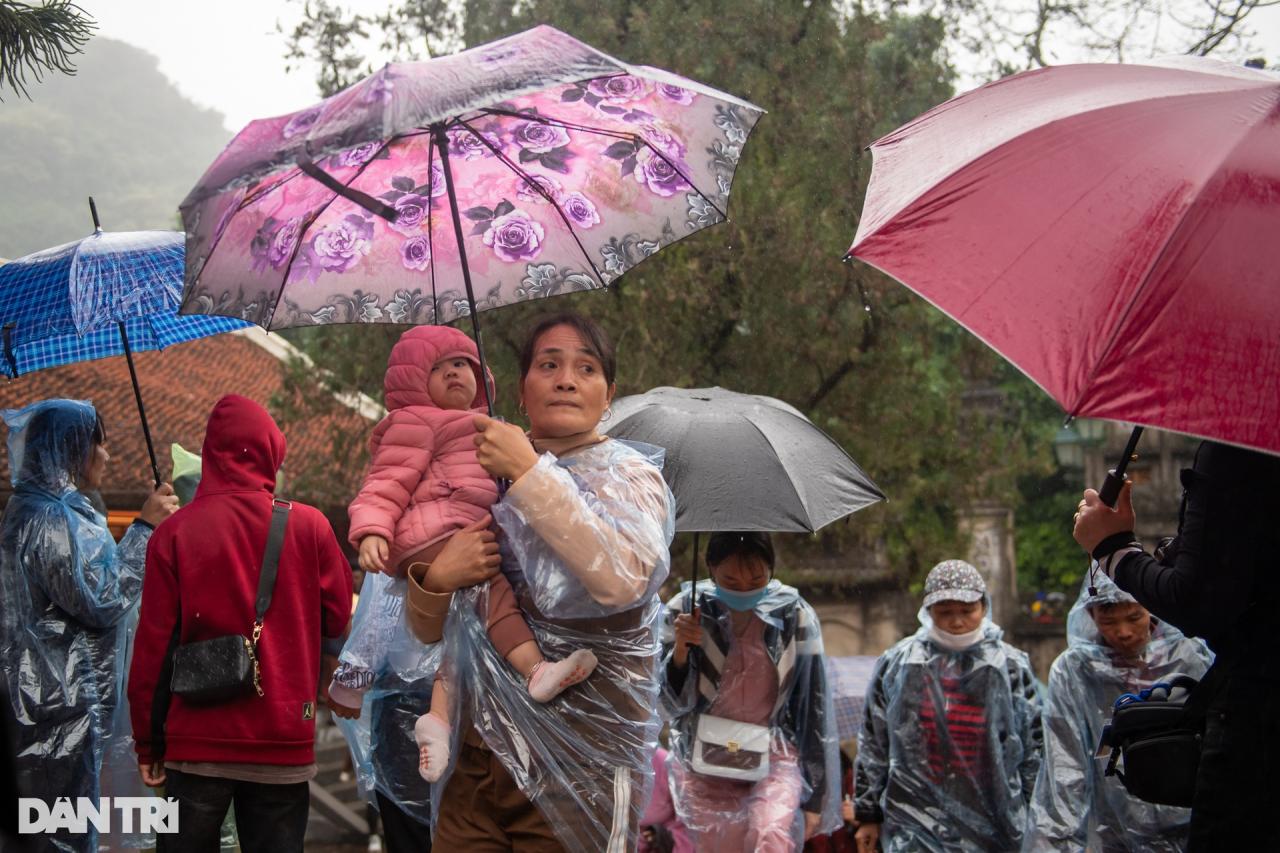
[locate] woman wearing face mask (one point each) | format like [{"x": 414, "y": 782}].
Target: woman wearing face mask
[
  {"x": 951, "y": 742},
  {"x": 753, "y": 736}
]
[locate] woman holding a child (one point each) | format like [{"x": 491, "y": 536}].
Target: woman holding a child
[{"x": 585, "y": 525}]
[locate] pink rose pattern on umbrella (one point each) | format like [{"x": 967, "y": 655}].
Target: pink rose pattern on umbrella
[
  {"x": 341, "y": 246},
  {"x": 550, "y": 186},
  {"x": 514, "y": 236},
  {"x": 587, "y": 181},
  {"x": 467, "y": 145},
  {"x": 416, "y": 253}
]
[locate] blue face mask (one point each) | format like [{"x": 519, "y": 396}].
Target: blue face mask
[{"x": 741, "y": 600}]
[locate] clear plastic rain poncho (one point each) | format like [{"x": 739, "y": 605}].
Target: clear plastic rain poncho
[
  {"x": 804, "y": 776},
  {"x": 585, "y": 545},
  {"x": 393, "y": 671},
  {"x": 1075, "y": 806},
  {"x": 68, "y": 608},
  {"x": 950, "y": 745}
]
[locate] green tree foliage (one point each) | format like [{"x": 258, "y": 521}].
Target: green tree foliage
[
  {"x": 37, "y": 39},
  {"x": 119, "y": 131},
  {"x": 764, "y": 304},
  {"x": 1048, "y": 558}
]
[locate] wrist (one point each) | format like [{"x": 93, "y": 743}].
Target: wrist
[
  {"x": 1113, "y": 542},
  {"x": 523, "y": 465},
  {"x": 144, "y": 523},
  {"x": 429, "y": 577}
]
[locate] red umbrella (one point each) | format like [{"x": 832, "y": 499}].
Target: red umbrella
[{"x": 1112, "y": 230}]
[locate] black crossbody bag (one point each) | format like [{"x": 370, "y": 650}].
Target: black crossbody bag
[
  {"x": 1159, "y": 740},
  {"x": 224, "y": 668}
]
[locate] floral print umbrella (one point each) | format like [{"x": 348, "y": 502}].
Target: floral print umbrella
[{"x": 525, "y": 168}]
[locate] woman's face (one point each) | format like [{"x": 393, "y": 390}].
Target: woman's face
[
  {"x": 565, "y": 391},
  {"x": 740, "y": 573},
  {"x": 957, "y": 617},
  {"x": 95, "y": 468}
]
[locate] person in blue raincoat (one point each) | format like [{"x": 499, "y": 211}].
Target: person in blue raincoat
[
  {"x": 1114, "y": 646},
  {"x": 68, "y": 604},
  {"x": 951, "y": 742},
  {"x": 399, "y": 671}
]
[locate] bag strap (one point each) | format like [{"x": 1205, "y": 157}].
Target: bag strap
[{"x": 270, "y": 561}]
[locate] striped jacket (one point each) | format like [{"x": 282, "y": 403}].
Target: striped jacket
[{"x": 793, "y": 639}]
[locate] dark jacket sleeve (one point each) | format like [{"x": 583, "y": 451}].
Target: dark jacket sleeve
[
  {"x": 871, "y": 769},
  {"x": 1226, "y": 551},
  {"x": 148, "y": 691},
  {"x": 807, "y": 708}
]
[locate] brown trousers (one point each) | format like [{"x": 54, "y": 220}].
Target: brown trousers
[{"x": 483, "y": 810}]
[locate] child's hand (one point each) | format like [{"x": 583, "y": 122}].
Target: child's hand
[{"x": 374, "y": 553}]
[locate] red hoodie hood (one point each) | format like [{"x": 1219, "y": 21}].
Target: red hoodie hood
[
  {"x": 243, "y": 448},
  {"x": 409, "y": 366}
]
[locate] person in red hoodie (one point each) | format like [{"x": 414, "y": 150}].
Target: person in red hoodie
[{"x": 201, "y": 582}]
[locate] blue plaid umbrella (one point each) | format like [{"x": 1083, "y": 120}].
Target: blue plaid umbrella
[{"x": 108, "y": 294}]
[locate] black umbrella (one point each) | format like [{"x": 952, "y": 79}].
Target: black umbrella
[{"x": 744, "y": 462}]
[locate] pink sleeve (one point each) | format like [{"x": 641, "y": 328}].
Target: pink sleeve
[
  {"x": 399, "y": 462},
  {"x": 661, "y": 810}
]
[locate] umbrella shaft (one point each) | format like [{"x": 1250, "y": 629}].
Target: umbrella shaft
[
  {"x": 442, "y": 146},
  {"x": 142, "y": 412}
]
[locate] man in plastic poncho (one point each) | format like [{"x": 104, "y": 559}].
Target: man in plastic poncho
[
  {"x": 951, "y": 741},
  {"x": 1114, "y": 646},
  {"x": 68, "y": 606}
]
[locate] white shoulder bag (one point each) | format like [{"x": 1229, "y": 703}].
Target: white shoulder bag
[{"x": 730, "y": 749}]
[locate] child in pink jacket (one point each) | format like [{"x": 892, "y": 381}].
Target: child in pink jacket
[{"x": 424, "y": 484}]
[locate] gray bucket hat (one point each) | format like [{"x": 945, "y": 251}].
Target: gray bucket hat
[{"x": 953, "y": 580}]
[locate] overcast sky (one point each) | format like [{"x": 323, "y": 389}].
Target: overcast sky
[{"x": 228, "y": 54}]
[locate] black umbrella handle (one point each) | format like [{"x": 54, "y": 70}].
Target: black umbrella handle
[
  {"x": 142, "y": 411},
  {"x": 1110, "y": 491}
]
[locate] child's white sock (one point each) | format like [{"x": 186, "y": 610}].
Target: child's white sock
[
  {"x": 432, "y": 734},
  {"x": 550, "y": 678}
]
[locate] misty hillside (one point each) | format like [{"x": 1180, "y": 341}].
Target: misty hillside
[{"x": 119, "y": 131}]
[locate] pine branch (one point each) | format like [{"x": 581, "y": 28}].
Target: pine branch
[{"x": 36, "y": 39}]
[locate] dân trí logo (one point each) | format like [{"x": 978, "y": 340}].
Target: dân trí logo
[{"x": 135, "y": 814}]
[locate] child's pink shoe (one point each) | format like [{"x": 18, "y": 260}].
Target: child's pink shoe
[
  {"x": 551, "y": 678},
  {"x": 432, "y": 734}
]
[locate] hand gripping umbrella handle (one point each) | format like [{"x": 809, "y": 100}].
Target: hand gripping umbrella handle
[{"x": 1110, "y": 491}]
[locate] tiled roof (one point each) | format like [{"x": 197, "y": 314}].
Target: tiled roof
[{"x": 326, "y": 450}]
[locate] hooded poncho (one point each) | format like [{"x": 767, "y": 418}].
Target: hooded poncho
[
  {"x": 950, "y": 745},
  {"x": 1075, "y": 806},
  {"x": 68, "y": 607}
]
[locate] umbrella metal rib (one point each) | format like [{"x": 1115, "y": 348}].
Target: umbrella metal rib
[
  {"x": 293, "y": 254},
  {"x": 541, "y": 190},
  {"x": 634, "y": 138}
]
